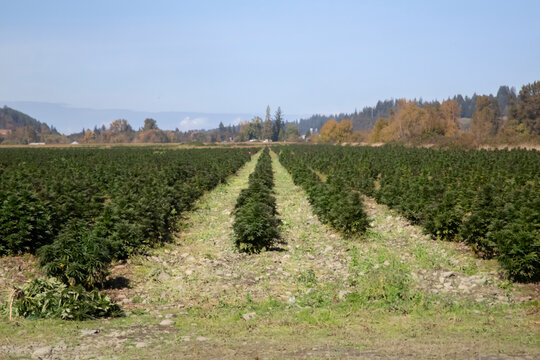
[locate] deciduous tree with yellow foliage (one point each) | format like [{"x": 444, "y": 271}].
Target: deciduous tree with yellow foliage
[
  {"x": 412, "y": 121},
  {"x": 335, "y": 132}
]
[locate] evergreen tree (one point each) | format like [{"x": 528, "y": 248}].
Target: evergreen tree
[
  {"x": 268, "y": 131},
  {"x": 504, "y": 95},
  {"x": 278, "y": 125},
  {"x": 221, "y": 131}
]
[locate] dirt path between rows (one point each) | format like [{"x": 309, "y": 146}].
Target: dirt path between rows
[
  {"x": 198, "y": 298},
  {"x": 204, "y": 268}
]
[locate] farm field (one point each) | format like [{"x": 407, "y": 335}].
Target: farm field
[
  {"x": 375, "y": 285},
  {"x": 489, "y": 200}
]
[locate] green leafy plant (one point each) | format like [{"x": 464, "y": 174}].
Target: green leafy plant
[
  {"x": 488, "y": 199},
  {"x": 77, "y": 256},
  {"x": 49, "y": 298},
  {"x": 256, "y": 226},
  {"x": 333, "y": 202},
  {"x": 84, "y": 207},
  {"x": 24, "y": 222}
]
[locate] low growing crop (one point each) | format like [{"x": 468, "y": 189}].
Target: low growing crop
[
  {"x": 256, "y": 226},
  {"x": 487, "y": 199},
  {"x": 333, "y": 202},
  {"x": 79, "y": 209},
  {"x": 88, "y": 206},
  {"x": 77, "y": 256}
]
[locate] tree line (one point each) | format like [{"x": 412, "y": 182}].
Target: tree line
[
  {"x": 502, "y": 118},
  {"x": 367, "y": 117},
  {"x": 471, "y": 120},
  {"x": 271, "y": 129}
]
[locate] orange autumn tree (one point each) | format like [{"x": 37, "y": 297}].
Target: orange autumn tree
[
  {"x": 411, "y": 121},
  {"x": 451, "y": 112},
  {"x": 329, "y": 130},
  {"x": 335, "y": 132}
]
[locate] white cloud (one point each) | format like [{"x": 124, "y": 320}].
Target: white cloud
[{"x": 191, "y": 124}]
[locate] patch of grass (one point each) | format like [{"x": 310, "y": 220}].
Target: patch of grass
[
  {"x": 426, "y": 258},
  {"x": 320, "y": 317},
  {"x": 209, "y": 256},
  {"x": 372, "y": 235},
  {"x": 307, "y": 277},
  {"x": 451, "y": 325},
  {"x": 381, "y": 279},
  {"x": 139, "y": 312},
  {"x": 319, "y": 297}
]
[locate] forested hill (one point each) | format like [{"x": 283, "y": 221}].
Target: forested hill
[
  {"x": 10, "y": 119},
  {"x": 18, "y": 128},
  {"x": 365, "y": 119}
]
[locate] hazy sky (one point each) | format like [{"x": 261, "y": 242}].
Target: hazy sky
[{"x": 238, "y": 56}]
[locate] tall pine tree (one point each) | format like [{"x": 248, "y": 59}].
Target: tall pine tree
[
  {"x": 278, "y": 125},
  {"x": 268, "y": 131}
]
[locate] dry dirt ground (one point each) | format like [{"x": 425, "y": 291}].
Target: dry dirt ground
[{"x": 392, "y": 293}]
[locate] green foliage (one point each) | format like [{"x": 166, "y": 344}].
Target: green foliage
[
  {"x": 256, "y": 225},
  {"x": 488, "y": 199},
  {"x": 278, "y": 126},
  {"x": 292, "y": 133},
  {"x": 77, "y": 256},
  {"x": 257, "y": 192},
  {"x": 527, "y": 110},
  {"x": 518, "y": 242},
  {"x": 308, "y": 277},
  {"x": 381, "y": 279},
  {"x": 49, "y": 298},
  {"x": 24, "y": 222},
  {"x": 332, "y": 201},
  {"x": 93, "y": 205}
]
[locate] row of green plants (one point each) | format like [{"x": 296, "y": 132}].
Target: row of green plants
[
  {"x": 487, "y": 199},
  {"x": 256, "y": 225},
  {"x": 332, "y": 201},
  {"x": 80, "y": 209}
]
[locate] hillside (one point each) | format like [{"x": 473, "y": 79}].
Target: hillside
[
  {"x": 19, "y": 128},
  {"x": 11, "y": 119}
]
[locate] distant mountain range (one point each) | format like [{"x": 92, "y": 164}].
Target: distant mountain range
[{"x": 69, "y": 119}]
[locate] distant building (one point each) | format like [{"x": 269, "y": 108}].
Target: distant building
[
  {"x": 5, "y": 131},
  {"x": 75, "y": 143},
  {"x": 33, "y": 144}
]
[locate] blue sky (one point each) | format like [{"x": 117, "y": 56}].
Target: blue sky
[{"x": 238, "y": 56}]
